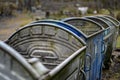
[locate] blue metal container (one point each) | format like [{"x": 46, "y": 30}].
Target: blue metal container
[
  {"x": 108, "y": 38},
  {"x": 94, "y": 42}
]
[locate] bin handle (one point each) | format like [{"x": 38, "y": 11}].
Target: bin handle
[
  {"x": 90, "y": 61},
  {"x": 83, "y": 74},
  {"x": 104, "y": 47}
]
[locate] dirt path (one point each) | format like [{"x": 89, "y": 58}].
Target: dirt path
[
  {"x": 10, "y": 25},
  {"x": 114, "y": 72},
  {"x": 7, "y": 29}
]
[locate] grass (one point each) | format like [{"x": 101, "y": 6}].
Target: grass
[{"x": 118, "y": 42}]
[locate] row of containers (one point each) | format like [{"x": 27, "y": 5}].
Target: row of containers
[{"x": 75, "y": 48}]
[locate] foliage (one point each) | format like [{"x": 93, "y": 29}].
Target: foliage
[
  {"x": 118, "y": 16},
  {"x": 90, "y": 11},
  {"x": 7, "y": 9},
  {"x": 118, "y": 42},
  {"x": 104, "y": 11}
]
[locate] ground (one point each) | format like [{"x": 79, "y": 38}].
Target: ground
[
  {"x": 114, "y": 72},
  {"x": 10, "y": 25}
]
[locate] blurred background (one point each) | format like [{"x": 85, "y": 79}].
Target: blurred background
[{"x": 60, "y": 8}]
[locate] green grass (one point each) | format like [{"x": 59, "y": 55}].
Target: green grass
[{"x": 118, "y": 42}]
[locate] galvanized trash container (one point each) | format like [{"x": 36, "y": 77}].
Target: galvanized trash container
[
  {"x": 108, "y": 39},
  {"x": 94, "y": 42},
  {"x": 113, "y": 38},
  {"x": 57, "y": 45}
]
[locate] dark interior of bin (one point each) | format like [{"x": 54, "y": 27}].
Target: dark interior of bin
[
  {"x": 106, "y": 20},
  {"x": 50, "y": 44},
  {"x": 113, "y": 19},
  {"x": 101, "y": 22},
  {"x": 86, "y": 27}
]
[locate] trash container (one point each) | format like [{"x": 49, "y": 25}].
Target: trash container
[
  {"x": 58, "y": 46},
  {"x": 94, "y": 42}
]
